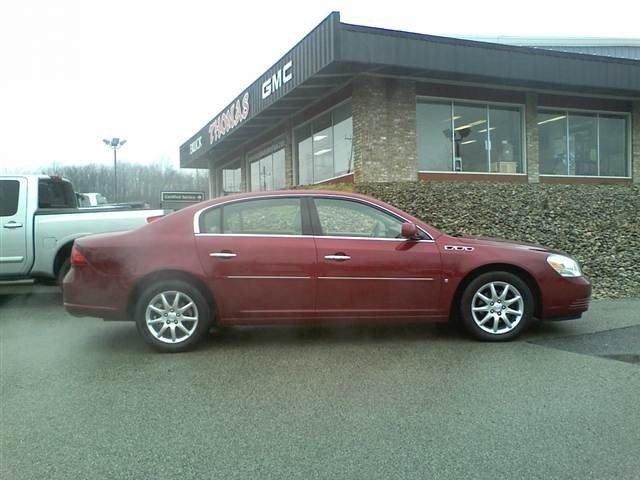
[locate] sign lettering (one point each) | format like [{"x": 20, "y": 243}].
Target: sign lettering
[
  {"x": 229, "y": 119},
  {"x": 193, "y": 197},
  {"x": 195, "y": 145},
  {"x": 277, "y": 80}
]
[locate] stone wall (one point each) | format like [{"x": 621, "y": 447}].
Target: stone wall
[
  {"x": 635, "y": 147},
  {"x": 598, "y": 224},
  {"x": 384, "y": 130}
]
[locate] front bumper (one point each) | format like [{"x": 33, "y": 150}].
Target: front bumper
[{"x": 565, "y": 298}]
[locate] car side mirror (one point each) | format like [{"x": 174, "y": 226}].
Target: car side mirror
[{"x": 409, "y": 231}]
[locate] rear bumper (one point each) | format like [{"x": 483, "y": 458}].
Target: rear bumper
[
  {"x": 87, "y": 293},
  {"x": 78, "y": 310}
]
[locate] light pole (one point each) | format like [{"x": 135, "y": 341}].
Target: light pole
[{"x": 115, "y": 143}]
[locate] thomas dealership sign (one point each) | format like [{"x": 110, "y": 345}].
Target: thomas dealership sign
[
  {"x": 264, "y": 104},
  {"x": 229, "y": 119}
]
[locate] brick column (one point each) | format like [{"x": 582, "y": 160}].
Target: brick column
[
  {"x": 288, "y": 157},
  {"x": 635, "y": 142},
  {"x": 533, "y": 142},
  {"x": 384, "y": 130},
  {"x": 213, "y": 180}
]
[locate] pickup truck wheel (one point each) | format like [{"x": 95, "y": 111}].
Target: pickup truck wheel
[
  {"x": 64, "y": 269},
  {"x": 496, "y": 306},
  {"x": 172, "y": 315}
]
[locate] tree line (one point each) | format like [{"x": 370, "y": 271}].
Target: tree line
[{"x": 136, "y": 183}]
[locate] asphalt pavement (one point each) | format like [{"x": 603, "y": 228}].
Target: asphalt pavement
[{"x": 84, "y": 399}]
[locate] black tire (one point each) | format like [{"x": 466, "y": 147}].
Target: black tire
[
  {"x": 148, "y": 305},
  {"x": 501, "y": 325},
  {"x": 62, "y": 272}
]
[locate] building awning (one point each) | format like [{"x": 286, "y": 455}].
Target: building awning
[{"x": 334, "y": 52}]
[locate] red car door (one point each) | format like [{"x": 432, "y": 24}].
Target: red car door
[
  {"x": 366, "y": 270},
  {"x": 259, "y": 260}
]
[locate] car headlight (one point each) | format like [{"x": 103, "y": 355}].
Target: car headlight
[{"x": 565, "y": 266}]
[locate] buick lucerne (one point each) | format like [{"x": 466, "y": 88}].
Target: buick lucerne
[{"x": 311, "y": 257}]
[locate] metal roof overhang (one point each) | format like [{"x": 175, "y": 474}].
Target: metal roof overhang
[{"x": 333, "y": 53}]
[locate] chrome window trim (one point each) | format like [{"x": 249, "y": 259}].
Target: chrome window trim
[
  {"x": 268, "y": 235},
  {"x": 196, "y": 217},
  {"x": 380, "y": 239}
]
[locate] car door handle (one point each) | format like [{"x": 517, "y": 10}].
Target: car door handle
[
  {"x": 12, "y": 224},
  {"x": 223, "y": 255},
  {"x": 337, "y": 257}
]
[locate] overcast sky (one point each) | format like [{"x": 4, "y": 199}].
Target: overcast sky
[{"x": 75, "y": 72}]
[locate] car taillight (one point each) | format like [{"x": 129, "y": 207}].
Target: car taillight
[
  {"x": 153, "y": 219},
  {"x": 77, "y": 258}
]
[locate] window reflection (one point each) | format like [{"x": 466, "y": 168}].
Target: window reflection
[
  {"x": 268, "y": 172},
  {"x": 469, "y": 137},
  {"x": 583, "y": 144},
  {"x": 231, "y": 179},
  {"x": 324, "y": 146}
]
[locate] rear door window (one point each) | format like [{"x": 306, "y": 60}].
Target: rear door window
[{"x": 272, "y": 216}]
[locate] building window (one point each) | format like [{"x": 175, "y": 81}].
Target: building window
[
  {"x": 324, "y": 146},
  {"x": 232, "y": 179},
  {"x": 583, "y": 143},
  {"x": 267, "y": 171},
  {"x": 469, "y": 137}
]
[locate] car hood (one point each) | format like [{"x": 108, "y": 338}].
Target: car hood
[{"x": 472, "y": 240}]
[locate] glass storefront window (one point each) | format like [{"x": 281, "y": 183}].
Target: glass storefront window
[
  {"x": 231, "y": 180},
  {"x": 342, "y": 139},
  {"x": 613, "y": 143},
  {"x": 583, "y": 144},
  {"x": 323, "y": 146},
  {"x": 505, "y": 133},
  {"x": 552, "y": 133},
  {"x": 435, "y": 149},
  {"x": 469, "y": 137},
  {"x": 268, "y": 172}
]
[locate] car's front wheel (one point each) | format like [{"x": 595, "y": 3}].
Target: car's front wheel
[
  {"x": 172, "y": 315},
  {"x": 496, "y": 306}
]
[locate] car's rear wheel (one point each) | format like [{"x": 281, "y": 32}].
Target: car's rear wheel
[
  {"x": 172, "y": 315},
  {"x": 496, "y": 306}
]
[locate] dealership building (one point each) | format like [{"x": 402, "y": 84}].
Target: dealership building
[{"x": 351, "y": 103}]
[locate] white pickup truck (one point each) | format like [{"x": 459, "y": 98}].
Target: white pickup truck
[{"x": 40, "y": 219}]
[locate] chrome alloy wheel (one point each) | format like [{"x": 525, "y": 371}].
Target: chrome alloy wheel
[
  {"x": 171, "y": 317},
  {"x": 497, "y": 307}
]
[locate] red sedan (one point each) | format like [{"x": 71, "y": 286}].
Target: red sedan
[{"x": 309, "y": 257}]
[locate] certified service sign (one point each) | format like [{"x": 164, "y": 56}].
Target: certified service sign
[{"x": 187, "y": 197}]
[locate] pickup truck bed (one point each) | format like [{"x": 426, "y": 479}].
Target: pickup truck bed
[{"x": 39, "y": 220}]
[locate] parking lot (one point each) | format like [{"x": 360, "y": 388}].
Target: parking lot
[{"x": 82, "y": 398}]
